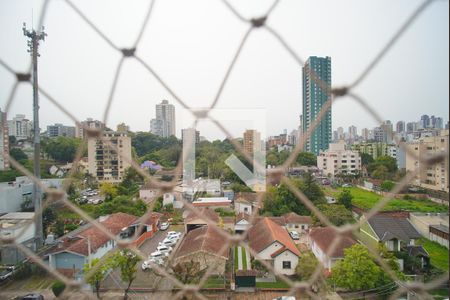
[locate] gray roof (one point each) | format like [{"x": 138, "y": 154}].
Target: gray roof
[
  {"x": 417, "y": 251},
  {"x": 388, "y": 227},
  {"x": 440, "y": 227}
]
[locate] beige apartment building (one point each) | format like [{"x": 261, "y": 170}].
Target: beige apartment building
[
  {"x": 434, "y": 177},
  {"x": 337, "y": 160},
  {"x": 105, "y": 163}
]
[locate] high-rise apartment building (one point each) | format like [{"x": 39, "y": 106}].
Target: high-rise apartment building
[
  {"x": 60, "y": 130},
  {"x": 164, "y": 123},
  {"x": 316, "y": 93},
  {"x": 4, "y": 142},
  {"x": 365, "y": 134},
  {"x": 400, "y": 127},
  {"x": 105, "y": 163},
  {"x": 252, "y": 141},
  {"x": 434, "y": 176},
  {"x": 424, "y": 121},
  {"x": 89, "y": 123},
  {"x": 353, "y": 132},
  {"x": 20, "y": 127},
  {"x": 190, "y": 133}
]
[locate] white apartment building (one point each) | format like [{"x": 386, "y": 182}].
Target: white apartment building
[
  {"x": 20, "y": 127},
  {"x": 337, "y": 160},
  {"x": 164, "y": 123},
  {"x": 433, "y": 177},
  {"x": 105, "y": 163}
]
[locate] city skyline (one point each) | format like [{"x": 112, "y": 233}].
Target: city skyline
[{"x": 195, "y": 73}]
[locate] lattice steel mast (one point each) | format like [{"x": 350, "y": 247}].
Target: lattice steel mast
[{"x": 33, "y": 44}]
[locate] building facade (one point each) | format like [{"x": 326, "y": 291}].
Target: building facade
[
  {"x": 60, "y": 130},
  {"x": 89, "y": 123},
  {"x": 376, "y": 149},
  {"x": 434, "y": 177},
  {"x": 316, "y": 93},
  {"x": 164, "y": 123},
  {"x": 20, "y": 127},
  {"x": 338, "y": 160},
  {"x": 4, "y": 142},
  {"x": 190, "y": 133},
  {"x": 252, "y": 141},
  {"x": 105, "y": 163}
]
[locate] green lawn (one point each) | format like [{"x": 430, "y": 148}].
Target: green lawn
[
  {"x": 366, "y": 200},
  {"x": 438, "y": 253},
  {"x": 244, "y": 259},
  {"x": 268, "y": 285},
  {"x": 214, "y": 282},
  {"x": 236, "y": 258}
]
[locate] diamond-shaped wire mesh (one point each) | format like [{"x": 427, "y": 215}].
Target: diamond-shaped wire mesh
[{"x": 258, "y": 23}]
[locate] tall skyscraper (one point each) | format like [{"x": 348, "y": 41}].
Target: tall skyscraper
[
  {"x": 353, "y": 132},
  {"x": 4, "y": 142},
  {"x": 424, "y": 121},
  {"x": 316, "y": 93},
  {"x": 164, "y": 123}
]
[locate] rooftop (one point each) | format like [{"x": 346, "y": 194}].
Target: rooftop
[
  {"x": 205, "y": 239},
  {"x": 324, "y": 238}
]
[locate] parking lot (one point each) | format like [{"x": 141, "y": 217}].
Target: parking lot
[{"x": 147, "y": 278}]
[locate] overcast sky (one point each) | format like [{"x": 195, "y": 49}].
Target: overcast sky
[{"x": 191, "y": 43}]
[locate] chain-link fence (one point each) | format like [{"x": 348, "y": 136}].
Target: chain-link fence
[{"x": 397, "y": 288}]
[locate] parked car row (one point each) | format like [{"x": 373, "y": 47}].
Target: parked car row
[
  {"x": 162, "y": 251},
  {"x": 90, "y": 196}
]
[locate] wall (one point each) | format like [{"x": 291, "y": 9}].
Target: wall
[
  {"x": 285, "y": 256},
  {"x": 267, "y": 252},
  {"x": 66, "y": 260}
]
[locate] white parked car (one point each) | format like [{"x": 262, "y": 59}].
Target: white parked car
[
  {"x": 168, "y": 242},
  {"x": 147, "y": 264},
  {"x": 173, "y": 234},
  {"x": 294, "y": 235},
  {"x": 158, "y": 254},
  {"x": 164, "y": 226},
  {"x": 164, "y": 249}
]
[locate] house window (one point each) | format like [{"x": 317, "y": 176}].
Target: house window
[{"x": 286, "y": 264}]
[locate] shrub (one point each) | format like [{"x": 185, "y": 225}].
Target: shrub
[{"x": 58, "y": 287}]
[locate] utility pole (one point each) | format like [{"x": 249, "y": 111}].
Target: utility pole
[{"x": 33, "y": 44}]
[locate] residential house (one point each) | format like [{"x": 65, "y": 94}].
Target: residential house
[
  {"x": 242, "y": 223},
  {"x": 246, "y": 203},
  {"x": 320, "y": 241},
  {"x": 394, "y": 231},
  {"x": 296, "y": 222},
  {"x": 206, "y": 246},
  {"x": 273, "y": 244},
  {"x": 75, "y": 249},
  {"x": 194, "y": 220},
  {"x": 19, "y": 226}
]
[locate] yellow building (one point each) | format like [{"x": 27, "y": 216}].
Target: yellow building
[{"x": 434, "y": 177}]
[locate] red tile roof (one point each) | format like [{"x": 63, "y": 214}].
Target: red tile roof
[
  {"x": 324, "y": 237},
  {"x": 79, "y": 243},
  {"x": 205, "y": 239},
  {"x": 266, "y": 232},
  {"x": 293, "y": 218},
  {"x": 204, "y": 211}
]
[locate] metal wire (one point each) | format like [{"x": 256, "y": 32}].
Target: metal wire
[{"x": 229, "y": 239}]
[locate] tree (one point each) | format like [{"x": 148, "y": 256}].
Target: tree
[
  {"x": 357, "y": 271},
  {"x": 280, "y": 200},
  {"x": 306, "y": 266},
  {"x": 62, "y": 149},
  {"x": 345, "y": 198},
  {"x": 48, "y": 217},
  {"x": 366, "y": 159},
  {"x": 108, "y": 190},
  {"x": 126, "y": 261},
  {"x": 58, "y": 287},
  {"x": 188, "y": 272},
  {"x": 384, "y": 167},
  {"x": 18, "y": 154},
  {"x": 337, "y": 214},
  {"x": 96, "y": 271},
  {"x": 307, "y": 159},
  {"x": 387, "y": 185}
]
